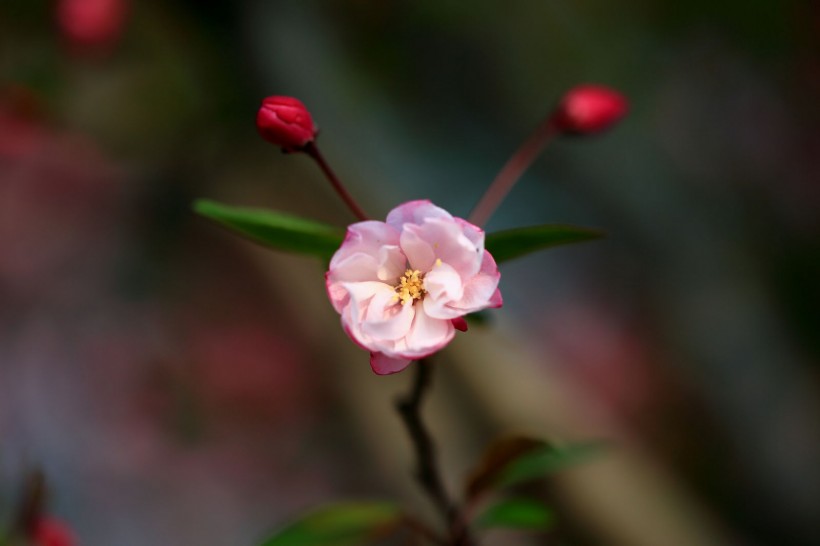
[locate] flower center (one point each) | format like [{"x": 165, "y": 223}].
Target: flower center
[{"x": 410, "y": 287}]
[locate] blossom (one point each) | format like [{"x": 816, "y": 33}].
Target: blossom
[
  {"x": 589, "y": 109},
  {"x": 402, "y": 286},
  {"x": 92, "y": 22},
  {"x": 286, "y": 122},
  {"x": 51, "y": 532}
]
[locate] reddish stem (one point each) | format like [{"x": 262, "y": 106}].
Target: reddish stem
[
  {"x": 313, "y": 151},
  {"x": 512, "y": 171}
]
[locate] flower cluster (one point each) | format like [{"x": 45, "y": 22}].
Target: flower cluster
[{"x": 402, "y": 287}]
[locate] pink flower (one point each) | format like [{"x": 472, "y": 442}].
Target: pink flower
[
  {"x": 590, "y": 109},
  {"x": 92, "y": 22},
  {"x": 286, "y": 122},
  {"x": 51, "y": 532},
  {"x": 403, "y": 286}
]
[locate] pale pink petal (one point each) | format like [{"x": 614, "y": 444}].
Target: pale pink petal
[
  {"x": 392, "y": 264},
  {"x": 444, "y": 287},
  {"x": 386, "y": 319},
  {"x": 472, "y": 232},
  {"x": 479, "y": 292},
  {"x": 449, "y": 244},
  {"x": 337, "y": 294},
  {"x": 346, "y": 328},
  {"x": 420, "y": 254},
  {"x": 488, "y": 264},
  {"x": 443, "y": 283},
  {"x": 357, "y": 267},
  {"x": 386, "y": 365},
  {"x": 360, "y": 294},
  {"x": 362, "y": 291},
  {"x": 369, "y": 238},
  {"x": 415, "y": 212},
  {"x": 427, "y": 335}
]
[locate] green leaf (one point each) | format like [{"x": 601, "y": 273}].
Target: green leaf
[
  {"x": 547, "y": 460},
  {"x": 275, "y": 229},
  {"x": 513, "y": 243},
  {"x": 517, "y": 514},
  {"x": 341, "y": 524}
]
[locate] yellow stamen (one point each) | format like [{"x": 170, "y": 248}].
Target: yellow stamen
[{"x": 410, "y": 287}]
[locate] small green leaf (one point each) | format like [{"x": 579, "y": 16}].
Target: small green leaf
[
  {"x": 513, "y": 243},
  {"x": 275, "y": 229},
  {"x": 547, "y": 460},
  {"x": 517, "y": 514},
  {"x": 342, "y": 524}
]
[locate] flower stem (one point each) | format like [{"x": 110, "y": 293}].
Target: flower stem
[
  {"x": 512, "y": 171},
  {"x": 427, "y": 472},
  {"x": 313, "y": 151},
  {"x": 31, "y": 504}
]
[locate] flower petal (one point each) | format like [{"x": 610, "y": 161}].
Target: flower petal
[
  {"x": 448, "y": 242},
  {"x": 496, "y": 300},
  {"x": 426, "y": 336},
  {"x": 444, "y": 287},
  {"x": 375, "y": 239},
  {"x": 474, "y": 233},
  {"x": 360, "y": 295},
  {"x": 482, "y": 288},
  {"x": 385, "y": 318},
  {"x": 356, "y": 267},
  {"x": 420, "y": 253},
  {"x": 460, "y": 324},
  {"x": 386, "y": 365},
  {"x": 415, "y": 212}
]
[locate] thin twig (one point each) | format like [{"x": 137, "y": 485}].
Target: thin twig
[
  {"x": 313, "y": 151},
  {"x": 427, "y": 472},
  {"x": 421, "y": 529},
  {"x": 512, "y": 171}
]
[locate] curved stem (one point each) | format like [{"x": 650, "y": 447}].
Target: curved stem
[
  {"x": 427, "y": 472},
  {"x": 313, "y": 151},
  {"x": 512, "y": 171},
  {"x": 421, "y": 529},
  {"x": 31, "y": 505}
]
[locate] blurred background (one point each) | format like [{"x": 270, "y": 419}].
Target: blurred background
[{"x": 179, "y": 386}]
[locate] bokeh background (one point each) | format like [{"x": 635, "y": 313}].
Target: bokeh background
[{"x": 181, "y": 386}]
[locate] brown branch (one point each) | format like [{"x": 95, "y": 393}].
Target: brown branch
[{"x": 426, "y": 471}]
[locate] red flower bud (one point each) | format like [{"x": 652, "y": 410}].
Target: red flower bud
[
  {"x": 589, "y": 109},
  {"x": 51, "y": 532},
  {"x": 91, "y": 23},
  {"x": 285, "y": 121}
]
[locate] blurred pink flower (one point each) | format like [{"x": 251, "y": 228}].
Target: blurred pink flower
[
  {"x": 51, "y": 532},
  {"x": 589, "y": 109},
  {"x": 402, "y": 287},
  {"x": 92, "y": 23}
]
